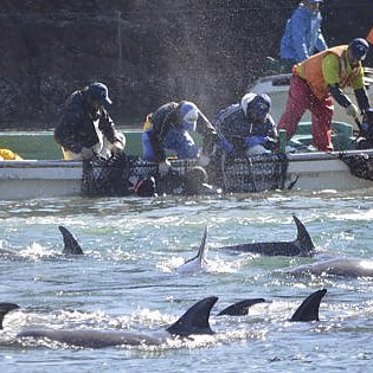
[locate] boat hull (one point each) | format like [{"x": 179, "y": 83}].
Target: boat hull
[{"x": 56, "y": 178}]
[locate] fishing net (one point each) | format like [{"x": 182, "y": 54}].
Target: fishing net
[
  {"x": 118, "y": 176},
  {"x": 256, "y": 173},
  {"x": 360, "y": 165},
  {"x": 121, "y": 175}
]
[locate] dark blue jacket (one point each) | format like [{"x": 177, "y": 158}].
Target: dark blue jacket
[
  {"x": 232, "y": 124},
  {"x": 76, "y": 128}
]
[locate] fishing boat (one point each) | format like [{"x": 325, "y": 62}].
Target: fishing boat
[
  {"x": 301, "y": 171},
  {"x": 44, "y": 174}
]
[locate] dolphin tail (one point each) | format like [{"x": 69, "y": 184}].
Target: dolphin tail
[
  {"x": 240, "y": 308},
  {"x": 4, "y": 309},
  {"x": 304, "y": 240},
  {"x": 203, "y": 248},
  {"x": 309, "y": 309},
  {"x": 71, "y": 244},
  {"x": 195, "y": 320}
]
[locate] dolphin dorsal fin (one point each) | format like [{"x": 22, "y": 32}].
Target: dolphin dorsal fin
[
  {"x": 303, "y": 239},
  {"x": 4, "y": 309},
  {"x": 195, "y": 320},
  {"x": 240, "y": 308},
  {"x": 202, "y": 251},
  {"x": 309, "y": 309},
  {"x": 72, "y": 246}
]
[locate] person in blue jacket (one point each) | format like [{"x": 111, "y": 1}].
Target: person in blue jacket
[
  {"x": 168, "y": 130},
  {"x": 247, "y": 127},
  {"x": 303, "y": 37}
]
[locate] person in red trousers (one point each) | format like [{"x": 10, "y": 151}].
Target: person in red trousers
[{"x": 320, "y": 79}]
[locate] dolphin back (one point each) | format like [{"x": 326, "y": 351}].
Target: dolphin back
[
  {"x": 240, "y": 308},
  {"x": 195, "y": 320},
  {"x": 6, "y": 308},
  {"x": 72, "y": 246},
  {"x": 309, "y": 309}
]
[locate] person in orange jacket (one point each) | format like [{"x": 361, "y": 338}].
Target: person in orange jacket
[{"x": 320, "y": 79}]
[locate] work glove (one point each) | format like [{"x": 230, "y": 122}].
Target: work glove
[
  {"x": 255, "y": 140},
  {"x": 352, "y": 111},
  {"x": 87, "y": 153},
  {"x": 203, "y": 160},
  {"x": 164, "y": 167}
]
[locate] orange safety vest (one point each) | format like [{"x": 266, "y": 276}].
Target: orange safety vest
[
  {"x": 311, "y": 71},
  {"x": 370, "y": 36}
]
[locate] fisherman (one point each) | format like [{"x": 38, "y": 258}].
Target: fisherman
[
  {"x": 85, "y": 128},
  {"x": 247, "y": 127},
  {"x": 319, "y": 79},
  {"x": 168, "y": 130},
  {"x": 303, "y": 36}
]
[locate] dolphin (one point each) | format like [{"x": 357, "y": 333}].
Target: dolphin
[
  {"x": 301, "y": 246},
  {"x": 72, "y": 246},
  {"x": 194, "y": 321},
  {"x": 240, "y": 308},
  {"x": 198, "y": 262},
  {"x": 309, "y": 309},
  {"x": 343, "y": 267}
]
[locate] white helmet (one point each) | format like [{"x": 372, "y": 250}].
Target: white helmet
[{"x": 246, "y": 99}]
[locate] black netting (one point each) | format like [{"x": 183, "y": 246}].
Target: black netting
[
  {"x": 256, "y": 173},
  {"x": 361, "y": 165},
  {"x": 119, "y": 176}
]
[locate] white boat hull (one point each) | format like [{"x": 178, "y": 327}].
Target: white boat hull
[{"x": 45, "y": 179}]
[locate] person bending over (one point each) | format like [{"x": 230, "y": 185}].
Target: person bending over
[
  {"x": 246, "y": 127},
  {"x": 85, "y": 128},
  {"x": 320, "y": 79},
  {"x": 167, "y": 130}
]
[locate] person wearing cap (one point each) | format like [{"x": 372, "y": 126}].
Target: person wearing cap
[
  {"x": 302, "y": 36},
  {"x": 167, "y": 130},
  {"x": 320, "y": 79},
  {"x": 85, "y": 128},
  {"x": 246, "y": 127}
]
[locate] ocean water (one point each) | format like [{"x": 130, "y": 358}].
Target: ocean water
[{"x": 128, "y": 280}]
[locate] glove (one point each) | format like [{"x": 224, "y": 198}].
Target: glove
[
  {"x": 203, "y": 160},
  {"x": 164, "y": 167},
  {"x": 87, "y": 153},
  {"x": 255, "y": 140},
  {"x": 352, "y": 111},
  {"x": 117, "y": 147}
]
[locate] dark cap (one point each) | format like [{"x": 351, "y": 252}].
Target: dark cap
[
  {"x": 100, "y": 92},
  {"x": 358, "y": 48}
]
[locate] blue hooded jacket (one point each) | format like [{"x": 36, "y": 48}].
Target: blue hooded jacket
[{"x": 302, "y": 37}]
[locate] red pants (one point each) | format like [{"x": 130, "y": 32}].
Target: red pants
[{"x": 300, "y": 99}]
